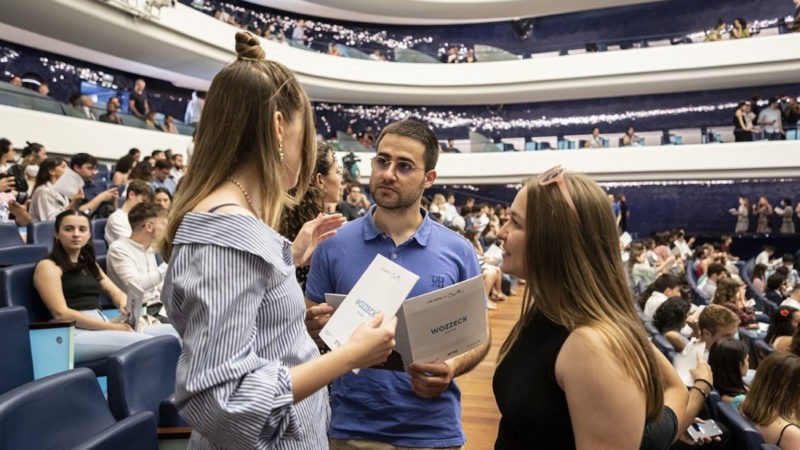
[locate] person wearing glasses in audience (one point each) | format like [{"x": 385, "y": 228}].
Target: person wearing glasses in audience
[
  {"x": 577, "y": 370},
  {"x": 250, "y": 376},
  {"x": 381, "y": 408}
]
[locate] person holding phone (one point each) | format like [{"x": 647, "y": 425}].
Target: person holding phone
[
  {"x": 578, "y": 362},
  {"x": 250, "y": 375}
]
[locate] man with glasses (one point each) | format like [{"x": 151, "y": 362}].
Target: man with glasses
[{"x": 380, "y": 408}]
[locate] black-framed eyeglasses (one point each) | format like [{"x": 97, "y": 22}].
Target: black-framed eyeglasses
[{"x": 403, "y": 168}]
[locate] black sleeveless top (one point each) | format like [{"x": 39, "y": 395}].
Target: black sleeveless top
[
  {"x": 534, "y": 409},
  {"x": 81, "y": 290}
]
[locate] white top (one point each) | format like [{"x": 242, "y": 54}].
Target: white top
[
  {"x": 656, "y": 299},
  {"x": 117, "y": 226},
  {"x": 128, "y": 262},
  {"x": 46, "y": 203}
]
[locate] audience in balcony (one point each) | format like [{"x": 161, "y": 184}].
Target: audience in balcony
[
  {"x": 84, "y": 104},
  {"x": 138, "y": 104},
  {"x": 132, "y": 259},
  {"x": 451, "y": 148},
  {"x": 69, "y": 282},
  {"x": 742, "y": 123},
  {"x": 194, "y": 108},
  {"x": 763, "y": 209},
  {"x": 742, "y": 214},
  {"x": 150, "y": 121},
  {"x": 795, "y": 25},
  {"x": 44, "y": 89},
  {"x": 299, "y": 32},
  {"x": 770, "y": 118},
  {"x": 451, "y": 56},
  {"x": 594, "y": 141},
  {"x": 16, "y": 81},
  {"x": 740, "y": 29},
  {"x": 117, "y": 225},
  {"x": 630, "y": 139},
  {"x": 718, "y": 32},
  {"x": 112, "y": 112},
  {"x": 470, "y": 58},
  {"x": 168, "y": 125}
]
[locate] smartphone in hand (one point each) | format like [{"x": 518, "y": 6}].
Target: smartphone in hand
[{"x": 701, "y": 430}]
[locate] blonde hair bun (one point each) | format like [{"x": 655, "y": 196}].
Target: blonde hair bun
[{"x": 248, "y": 47}]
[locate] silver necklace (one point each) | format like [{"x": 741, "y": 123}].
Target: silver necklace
[{"x": 246, "y": 196}]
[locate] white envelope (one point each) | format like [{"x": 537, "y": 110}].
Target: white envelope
[
  {"x": 382, "y": 287},
  {"x": 69, "y": 183}
]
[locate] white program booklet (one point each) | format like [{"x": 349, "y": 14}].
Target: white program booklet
[
  {"x": 382, "y": 287},
  {"x": 69, "y": 183},
  {"x": 135, "y": 306},
  {"x": 687, "y": 360},
  {"x": 438, "y": 325},
  {"x": 443, "y": 324}
]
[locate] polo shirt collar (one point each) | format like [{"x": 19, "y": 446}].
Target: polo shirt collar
[{"x": 422, "y": 234}]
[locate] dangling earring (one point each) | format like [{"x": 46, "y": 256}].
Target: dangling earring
[{"x": 280, "y": 149}]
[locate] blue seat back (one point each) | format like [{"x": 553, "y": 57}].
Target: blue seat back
[
  {"x": 664, "y": 345},
  {"x": 9, "y": 235},
  {"x": 711, "y": 401},
  {"x": 762, "y": 348},
  {"x": 99, "y": 229},
  {"x": 745, "y": 436},
  {"x": 769, "y": 447},
  {"x": 42, "y": 233},
  {"x": 71, "y": 407},
  {"x": 16, "y": 289},
  {"x": 142, "y": 375},
  {"x": 22, "y": 254},
  {"x": 16, "y": 363}
]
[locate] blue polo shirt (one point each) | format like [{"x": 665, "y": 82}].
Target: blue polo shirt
[{"x": 379, "y": 405}]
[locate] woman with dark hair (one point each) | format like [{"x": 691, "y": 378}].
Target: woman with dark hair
[
  {"x": 729, "y": 360},
  {"x": 759, "y": 278},
  {"x": 70, "y": 282},
  {"x": 142, "y": 171},
  {"x": 784, "y": 325},
  {"x": 162, "y": 197},
  {"x": 742, "y": 128},
  {"x": 46, "y": 202},
  {"x": 773, "y": 403},
  {"x": 740, "y": 29},
  {"x": 32, "y": 156},
  {"x": 324, "y": 189},
  {"x": 786, "y": 212},
  {"x": 670, "y": 318},
  {"x": 122, "y": 170},
  {"x": 250, "y": 375},
  {"x": 578, "y": 363}
]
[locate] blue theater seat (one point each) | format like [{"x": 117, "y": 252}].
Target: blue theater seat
[
  {"x": 9, "y": 235},
  {"x": 68, "y": 410},
  {"x": 99, "y": 229},
  {"x": 745, "y": 436},
  {"x": 762, "y": 348},
  {"x": 664, "y": 346},
  {"x": 22, "y": 254},
  {"x": 141, "y": 377},
  {"x": 16, "y": 363},
  {"x": 42, "y": 233},
  {"x": 712, "y": 401}
]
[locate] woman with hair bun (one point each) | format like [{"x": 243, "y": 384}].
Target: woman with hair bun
[
  {"x": 250, "y": 376},
  {"x": 577, "y": 370}
]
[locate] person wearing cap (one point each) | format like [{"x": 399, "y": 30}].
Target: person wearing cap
[{"x": 770, "y": 118}]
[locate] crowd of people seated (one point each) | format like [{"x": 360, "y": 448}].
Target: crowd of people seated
[{"x": 285, "y": 29}]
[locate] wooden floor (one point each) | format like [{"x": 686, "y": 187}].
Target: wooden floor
[{"x": 480, "y": 416}]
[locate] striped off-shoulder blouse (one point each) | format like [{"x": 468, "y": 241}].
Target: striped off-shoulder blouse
[{"x": 232, "y": 295}]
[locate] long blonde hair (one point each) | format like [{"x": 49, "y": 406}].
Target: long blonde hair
[
  {"x": 237, "y": 128},
  {"x": 576, "y": 278}
]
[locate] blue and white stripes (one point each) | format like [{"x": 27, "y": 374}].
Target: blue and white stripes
[{"x": 232, "y": 295}]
